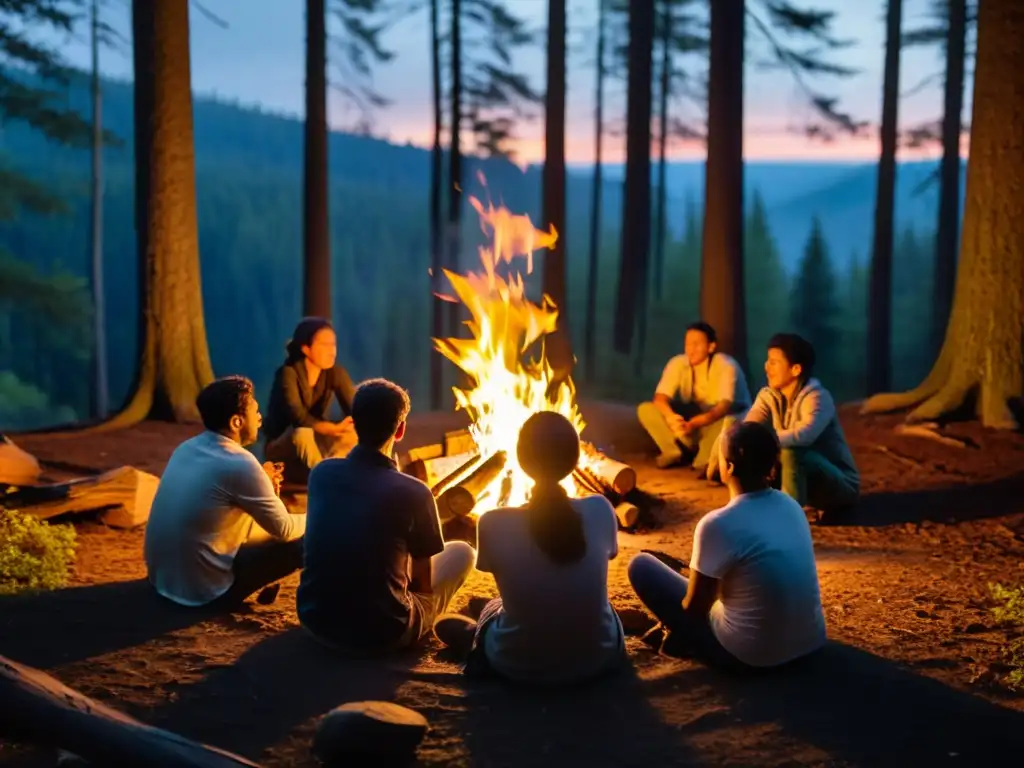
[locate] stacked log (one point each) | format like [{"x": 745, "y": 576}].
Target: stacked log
[{"x": 460, "y": 498}]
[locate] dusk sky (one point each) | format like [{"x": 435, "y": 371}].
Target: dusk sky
[{"x": 259, "y": 60}]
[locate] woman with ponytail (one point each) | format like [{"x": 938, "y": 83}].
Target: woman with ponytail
[
  {"x": 298, "y": 427},
  {"x": 552, "y": 623}
]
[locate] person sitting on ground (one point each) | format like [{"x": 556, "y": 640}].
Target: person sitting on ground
[
  {"x": 699, "y": 393},
  {"x": 217, "y": 530},
  {"x": 817, "y": 468},
  {"x": 377, "y": 569},
  {"x": 298, "y": 431},
  {"x": 552, "y": 623},
  {"x": 752, "y": 599}
]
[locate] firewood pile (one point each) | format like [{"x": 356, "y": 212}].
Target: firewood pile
[{"x": 458, "y": 474}]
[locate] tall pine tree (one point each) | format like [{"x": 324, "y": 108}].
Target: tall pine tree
[
  {"x": 814, "y": 306},
  {"x": 766, "y": 285}
]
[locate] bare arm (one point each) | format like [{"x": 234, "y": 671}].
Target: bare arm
[
  {"x": 421, "y": 578},
  {"x": 720, "y": 411},
  {"x": 701, "y": 594}
]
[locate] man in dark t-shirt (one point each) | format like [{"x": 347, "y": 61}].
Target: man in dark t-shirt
[{"x": 377, "y": 570}]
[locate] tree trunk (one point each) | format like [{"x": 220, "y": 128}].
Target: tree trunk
[
  {"x": 558, "y": 345},
  {"x": 436, "y": 225},
  {"x": 880, "y": 281},
  {"x": 590, "y": 325},
  {"x": 721, "y": 273},
  {"x": 948, "y": 229},
  {"x": 455, "y": 162},
  {"x": 175, "y": 360},
  {"x": 101, "y": 388},
  {"x": 316, "y": 223},
  {"x": 636, "y": 208},
  {"x": 666, "y": 89},
  {"x": 982, "y": 357}
]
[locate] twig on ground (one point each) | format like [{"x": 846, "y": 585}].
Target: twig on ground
[
  {"x": 898, "y": 456},
  {"x": 931, "y": 432}
]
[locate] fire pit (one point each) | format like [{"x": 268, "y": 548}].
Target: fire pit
[{"x": 505, "y": 389}]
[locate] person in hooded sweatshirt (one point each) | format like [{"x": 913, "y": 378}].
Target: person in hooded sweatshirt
[{"x": 817, "y": 468}]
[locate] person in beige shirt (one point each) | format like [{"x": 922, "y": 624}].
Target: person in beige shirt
[
  {"x": 217, "y": 530},
  {"x": 700, "y": 392}
]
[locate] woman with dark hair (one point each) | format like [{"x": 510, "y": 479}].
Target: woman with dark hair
[
  {"x": 552, "y": 624},
  {"x": 298, "y": 428}
]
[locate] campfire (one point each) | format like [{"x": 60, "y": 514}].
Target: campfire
[{"x": 509, "y": 379}]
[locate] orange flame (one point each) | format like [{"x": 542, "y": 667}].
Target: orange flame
[{"x": 506, "y": 389}]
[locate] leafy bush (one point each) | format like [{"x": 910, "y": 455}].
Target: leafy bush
[
  {"x": 34, "y": 555},
  {"x": 1011, "y": 611}
]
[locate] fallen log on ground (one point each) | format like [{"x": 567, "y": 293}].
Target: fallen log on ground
[
  {"x": 124, "y": 497},
  {"x": 17, "y": 466},
  {"x": 36, "y": 708},
  {"x": 459, "y": 499}
]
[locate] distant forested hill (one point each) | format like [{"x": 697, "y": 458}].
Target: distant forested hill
[{"x": 249, "y": 167}]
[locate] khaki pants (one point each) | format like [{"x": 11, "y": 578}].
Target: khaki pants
[
  {"x": 698, "y": 442},
  {"x": 300, "y": 449}
]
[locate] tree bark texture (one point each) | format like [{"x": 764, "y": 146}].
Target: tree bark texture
[
  {"x": 316, "y": 231},
  {"x": 436, "y": 223},
  {"x": 590, "y": 326},
  {"x": 721, "y": 277},
  {"x": 558, "y": 345},
  {"x": 982, "y": 357},
  {"x": 636, "y": 212},
  {"x": 947, "y": 237},
  {"x": 663, "y": 94},
  {"x": 880, "y": 279},
  {"x": 175, "y": 362},
  {"x": 455, "y": 162}
]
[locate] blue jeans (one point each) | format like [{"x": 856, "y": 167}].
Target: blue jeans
[{"x": 662, "y": 589}]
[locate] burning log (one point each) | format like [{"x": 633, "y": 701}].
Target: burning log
[
  {"x": 433, "y": 470},
  {"x": 614, "y": 474},
  {"x": 458, "y": 500},
  {"x": 455, "y": 475},
  {"x": 626, "y": 513}
]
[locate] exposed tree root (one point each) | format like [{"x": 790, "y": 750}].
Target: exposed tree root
[
  {"x": 889, "y": 402},
  {"x": 930, "y": 432}
]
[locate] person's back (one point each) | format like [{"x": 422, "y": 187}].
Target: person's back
[
  {"x": 360, "y": 535},
  {"x": 759, "y": 546},
  {"x": 197, "y": 523},
  {"x": 557, "y": 624}
]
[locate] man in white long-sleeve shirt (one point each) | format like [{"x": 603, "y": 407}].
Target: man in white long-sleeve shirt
[
  {"x": 817, "y": 468},
  {"x": 217, "y": 531}
]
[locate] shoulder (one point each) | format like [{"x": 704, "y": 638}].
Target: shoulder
[
  {"x": 677, "y": 363},
  {"x": 286, "y": 372},
  {"x": 593, "y": 506},
  {"x": 815, "y": 392},
  {"x": 722, "y": 360},
  {"x": 338, "y": 373}
]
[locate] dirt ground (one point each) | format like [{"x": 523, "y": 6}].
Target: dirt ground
[{"x": 912, "y": 675}]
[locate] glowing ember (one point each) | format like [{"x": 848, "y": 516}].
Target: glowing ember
[{"x": 505, "y": 389}]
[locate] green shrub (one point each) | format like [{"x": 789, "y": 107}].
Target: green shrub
[
  {"x": 1011, "y": 611},
  {"x": 34, "y": 555}
]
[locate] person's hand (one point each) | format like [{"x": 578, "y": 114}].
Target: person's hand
[
  {"x": 346, "y": 426},
  {"x": 276, "y": 474},
  {"x": 676, "y": 422},
  {"x": 689, "y": 426}
]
